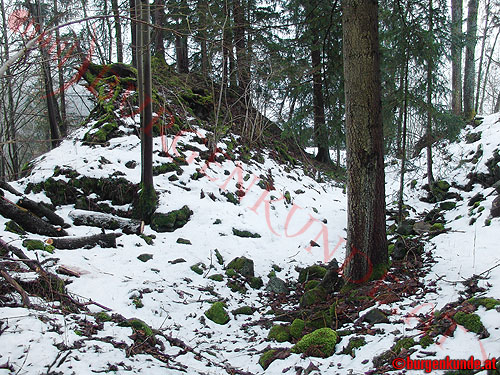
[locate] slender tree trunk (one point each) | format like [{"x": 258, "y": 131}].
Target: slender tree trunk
[
  {"x": 181, "y": 40},
  {"x": 456, "y": 56},
  {"x": 320, "y": 131},
  {"x": 490, "y": 58},
  {"x": 133, "y": 32},
  {"x": 118, "y": 31},
  {"x": 366, "y": 255},
  {"x": 158, "y": 34},
  {"x": 62, "y": 91},
  {"x": 110, "y": 34},
  {"x": 481, "y": 56},
  {"x": 403, "y": 143},
  {"x": 470, "y": 68},
  {"x": 430, "y": 176},
  {"x": 240, "y": 45},
  {"x": 203, "y": 12}
]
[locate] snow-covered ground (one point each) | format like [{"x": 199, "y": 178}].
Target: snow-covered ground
[{"x": 175, "y": 298}]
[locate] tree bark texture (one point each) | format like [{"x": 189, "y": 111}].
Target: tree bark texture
[
  {"x": 366, "y": 232},
  {"x": 456, "y": 56},
  {"x": 470, "y": 66}
]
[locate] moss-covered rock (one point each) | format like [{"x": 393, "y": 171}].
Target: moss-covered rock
[
  {"x": 38, "y": 245},
  {"x": 244, "y": 310},
  {"x": 245, "y": 233},
  {"x": 256, "y": 282},
  {"x": 313, "y": 296},
  {"x": 279, "y": 333},
  {"x": 171, "y": 221},
  {"x": 236, "y": 286},
  {"x": 216, "y": 277},
  {"x": 426, "y": 341},
  {"x": 145, "y": 257},
  {"x": 354, "y": 343},
  {"x": 311, "y": 284},
  {"x": 183, "y": 241},
  {"x": 137, "y": 325},
  {"x": 404, "y": 343},
  {"x": 472, "y": 322},
  {"x": 312, "y": 273},
  {"x": 320, "y": 343},
  {"x": 103, "y": 317},
  {"x": 267, "y": 358},
  {"x": 243, "y": 266},
  {"x": 219, "y": 257},
  {"x": 217, "y": 313},
  {"x": 276, "y": 285},
  {"x": 448, "y": 205},
  {"x": 197, "y": 268},
  {"x": 297, "y": 328}
]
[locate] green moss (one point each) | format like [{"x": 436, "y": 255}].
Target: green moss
[
  {"x": 217, "y": 313},
  {"x": 267, "y": 358},
  {"x": 426, "y": 341},
  {"x": 236, "y": 286},
  {"x": 197, "y": 268},
  {"x": 256, "y": 283},
  {"x": 447, "y": 205},
  {"x": 245, "y": 233},
  {"x": 38, "y": 245},
  {"x": 472, "y": 322},
  {"x": 313, "y": 296},
  {"x": 488, "y": 303},
  {"x": 271, "y": 274},
  {"x": 137, "y": 303},
  {"x": 319, "y": 319},
  {"x": 146, "y": 205},
  {"x": 297, "y": 328},
  {"x": 183, "y": 241},
  {"x": 219, "y": 257},
  {"x": 413, "y": 184},
  {"x": 166, "y": 168},
  {"x": 13, "y": 227},
  {"x": 244, "y": 310},
  {"x": 103, "y": 317},
  {"x": 279, "y": 333},
  {"x": 231, "y": 272},
  {"x": 390, "y": 249},
  {"x": 379, "y": 271},
  {"x": 311, "y": 284},
  {"x": 320, "y": 343},
  {"x": 243, "y": 266},
  {"x": 312, "y": 272},
  {"x": 148, "y": 239},
  {"x": 217, "y": 277},
  {"x": 288, "y": 197},
  {"x": 406, "y": 343},
  {"x": 354, "y": 343},
  {"x": 487, "y": 222},
  {"x": 171, "y": 221},
  {"x": 232, "y": 198},
  {"x": 437, "y": 227},
  {"x": 145, "y": 257},
  {"x": 139, "y": 325}
]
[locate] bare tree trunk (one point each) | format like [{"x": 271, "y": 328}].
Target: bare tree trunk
[
  {"x": 133, "y": 32},
  {"x": 62, "y": 91},
  {"x": 403, "y": 143},
  {"x": 490, "y": 58},
  {"x": 481, "y": 56},
  {"x": 203, "y": 11},
  {"x": 158, "y": 34},
  {"x": 118, "y": 30},
  {"x": 470, "y": 68},
  {"x": 456, "y": 56},
  {"x": 366, "y": 249},
  {"x": 320, "y": 131},
  {"x": 430, "y": 176},
  {"x": 241, "y": 51},
  {"x": 109, "y": 29},
  {"x": 181, "y": 40}
]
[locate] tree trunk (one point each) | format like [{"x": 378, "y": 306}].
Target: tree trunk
[
  {"x": 320, "y": 131},
  {"x": 403, "y": 143},
  {"x": 203, "y": 11},
  {"x": 366, "y": 255},
  {"x": 158, "y": 34},
  {"x": 490, "y": 58},
  {"x": 133, "y": 32},
  {"x": 104, "y": 221},
  {"x": 456, "y": 56},
  {"x": 105, "y": 240},
  {"x": 241, "y": 52},
  {"x": 430, "y": 176},
  {"x": 481, "y": 56},
  {"x": 118, "y": 30},
  {"x": 181, "y": 40},
  {"x": 469, "y": 68}
]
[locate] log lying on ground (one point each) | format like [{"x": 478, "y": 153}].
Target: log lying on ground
[
  {"x": 105, "y": 240},
  {"x": 6, "y": 186},
  {"x": 41, "y": 210},
  {"x": 105, "y": 221},
  {"x": 30, "y": 222}
]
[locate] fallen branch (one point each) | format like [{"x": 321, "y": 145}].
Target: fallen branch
[
  {"x": 105, "y": 240},
  {"x": 16, "y": 286},
  {"x": 105, "y": 221},
  {"x": 41, "y": 210}
]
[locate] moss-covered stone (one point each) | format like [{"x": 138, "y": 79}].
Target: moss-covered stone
[
  {"x": 231, "y": 273},
  {"x": 243, "y": 266},
  {"x": 232, "y": 198},
  {"x": 38, "y": 245},
  {"x": 103, "y": 317},
  {"x": 279, "y": 333},
  {"x": 145, "y": 257},
  {"x": 217, "y": 313},
  {"x": 267, "y": 358},
  {"x": 148, "y": 239},
  {"x": 236, "y": 286},
  {"x": 312, "y": 273},
  {"x": 172, "y": 220},
  {"x": 244, "y": 310},
  {"x": 256, "y": 282},
  {"x": 245, "y": 233},
  {"x": 219, "y": 257},
  {"x": 139, "y": 325},
  {"x": 312, "y": 297},
  {"x": 320, "y": 343},
  {"x": 319, "y": 319},
  {"x": 488, "y": 303},
  {"x": 354, "y": 343},
  {"x": 297, "y": 328},
  {"x": 426, "y": 341},
  {"x": 197, "y": 268},
  {"x": 183, "y": 241},
  {"x": 216, "y": 277},
  {"x": 404, "y": 343},
  {"x": 449, "y": 205},
  {"x": 167, "y": 168},
  {"x": 311, "y": 284},
  {"x": 13, "y": 227},
  {"x": 472, "y": 322},
  {"x": 437, "y": 227}
]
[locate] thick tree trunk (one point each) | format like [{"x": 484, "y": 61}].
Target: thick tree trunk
[
  {"x": 241, "y": 51},
  {"x": 72, "y": 243},
  {"x": 41, "y": 211},
  {"x": 366, "y": 255},
  {"x": 62, "y": 91},
  {"x": 118, "y": 30},
  {"x": 28, "y": 221},
  {"x": 470, "y": 67},
  {"x": 320, "y": 131},
  {"x": 158, "y": 34},
  {"x": 456, "y": 56},
  {"x": 181, "y": 40},
  {"x": 481, "y": 56}
]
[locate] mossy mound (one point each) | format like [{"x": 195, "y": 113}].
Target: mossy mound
[
  {"x": 267, "y": 358},
  {"x": 313, "y": 296},
  {"x": 244, "y": 310},
  {"x": 217, "y": 313},
  {"x": 137, "y": 325},
  {"x": 170, "y": 221},
  {"x": 297, "y": 328},
  {"x": 354, "y": 343},
  {"x": 312, "y": 272},
  {"x": 404, "y": 343},
  {"x": 320, "y": 343},
  {"x": 279, "y": 333},
  {"x": 488, "y": 303},
  {"x": 471, "y": 322},
  {"x": 216, "y": 277},
  {"x": 243, "y": 266}
]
